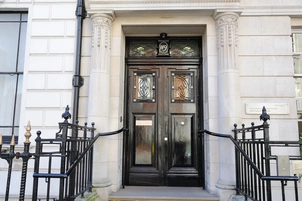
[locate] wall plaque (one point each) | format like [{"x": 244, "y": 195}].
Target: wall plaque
[
  {"x": 271, "y": 108},
  {"x": 297, "y": 166}
]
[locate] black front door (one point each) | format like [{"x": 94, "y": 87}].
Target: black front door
[{"x": 162, "y": 147}]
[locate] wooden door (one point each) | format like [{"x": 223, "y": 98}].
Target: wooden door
[{"x": 162, "y": 146}]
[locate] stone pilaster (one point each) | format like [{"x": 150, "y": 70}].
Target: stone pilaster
[
  {"x": 99, "y": 98},
  {"x": 229, "y": 107}
]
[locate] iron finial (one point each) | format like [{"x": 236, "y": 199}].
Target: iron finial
[
  {"x": 264, "y": 116},
  {"x": 39, "y": 134},
  {"x": 12, "y": 143},
  {"x": 27, "y": 134},
  {"x": 163, "y": 35},
  {"x": 66, "y": 115}
]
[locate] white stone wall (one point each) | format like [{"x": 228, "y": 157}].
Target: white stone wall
[
  {"x": 48, "y": 72},
  {"x": 266, "y": 76},
  {"x": 266, "y": 70},
  {"x": 49, "y": 64},
  {"x": 264, "y": 61}
]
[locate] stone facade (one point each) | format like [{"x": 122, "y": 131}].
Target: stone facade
[{"x": 247, "y": 58}]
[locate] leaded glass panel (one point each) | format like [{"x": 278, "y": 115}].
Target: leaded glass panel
[
  {"x": 182, "y": 87},
  {"x": 184, "y": 48},
  {"x": 143, "y": 48},
  {"x": 144, "y": 87},
  {"x": 179, "y": 48}
]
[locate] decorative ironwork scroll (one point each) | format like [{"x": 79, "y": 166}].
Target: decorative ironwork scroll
[{"x": 163, "y": 48}]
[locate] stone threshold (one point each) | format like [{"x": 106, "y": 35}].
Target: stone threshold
[{"x": 138, "y": 193}]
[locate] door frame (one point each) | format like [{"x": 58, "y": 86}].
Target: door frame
[{"x": 199, "y": 98}]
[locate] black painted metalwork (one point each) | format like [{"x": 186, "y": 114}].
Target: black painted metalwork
[
  {"x": 163, "y": 46},
  {"x": 9, "y": 157},
  {"x": 73, "y": 149},
  {"x": 65, "y": 162},
  {"x": 78, "y": 81},
  {"x": 253, "y": 158}
]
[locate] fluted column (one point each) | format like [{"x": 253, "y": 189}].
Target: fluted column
[
  {"x": 99, "y": 97},
  {"x": 229, "y": 107}
]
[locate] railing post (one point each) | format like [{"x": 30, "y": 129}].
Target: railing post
[
  {"x": 9, "y": 158},
  {"x": 91, "y": 158},
  {"x": 25, "y": 157},
  {"x": 36, "y": 167},
  {"x": 73, "y": 156},
  {"x": 125, "y": 142},
  {"x": 255, "y": 154},
  {"x": 237, "y": 161},
  {"x": 264, "y": 116},
  {"x": 64, "y": 126}
]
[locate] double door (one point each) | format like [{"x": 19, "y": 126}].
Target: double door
[{"x": 162, "y": 147}]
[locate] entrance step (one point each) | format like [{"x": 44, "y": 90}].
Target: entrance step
[{"x": 139, "y": 193}]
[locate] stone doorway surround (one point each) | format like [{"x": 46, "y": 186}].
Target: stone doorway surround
[{"x": 111, "y": 22}]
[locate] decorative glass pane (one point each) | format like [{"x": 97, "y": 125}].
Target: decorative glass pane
[
  {"x": 148, "y": 48},
  {"x": 144, "y": 140},
  {"x": 142, "y": 48},
  {"x": 144, "y": 87},
  {"x": 182, "y": 87},
  {"x": 184, "y": 48}
]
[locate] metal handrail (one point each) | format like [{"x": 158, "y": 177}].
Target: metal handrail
[
  {"x": 262, "y": 177},
  {"x": 236, "y": 146},
  {"x": 79, "y": 158}
]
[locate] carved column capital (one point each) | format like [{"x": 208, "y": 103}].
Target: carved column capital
[
  {"x": 227, "y": 39},
  {"x": 101, "y": 29},
  {"x": 227, "y": 29},
  {"x": 101, "y": 41}
]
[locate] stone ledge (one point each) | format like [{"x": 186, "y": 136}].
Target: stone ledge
[
  {"x": 88, "y": 197},
  {"x": 159, "y": 1}
]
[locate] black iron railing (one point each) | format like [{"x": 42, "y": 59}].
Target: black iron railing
[
  {"x": 10, "y": 156},
  {"x": 72, "y": 154},
  {"x": 63, "y": 166},
  {"x": 253, "y": 161},
  {"x": 64, "y": 162}
]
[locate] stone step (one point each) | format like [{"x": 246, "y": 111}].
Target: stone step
[{"x": 139, "y": 193}]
